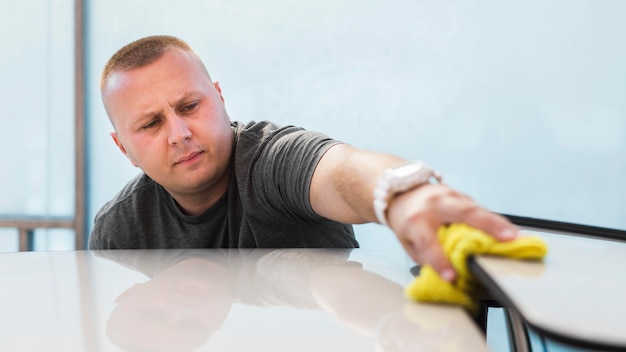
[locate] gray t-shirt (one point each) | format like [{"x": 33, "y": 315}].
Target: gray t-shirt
[{"x": 267, "y": 204}]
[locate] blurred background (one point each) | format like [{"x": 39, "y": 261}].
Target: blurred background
[{"x": 519, "y": 104}]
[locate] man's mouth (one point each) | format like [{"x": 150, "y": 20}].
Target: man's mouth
[{"x": 188, "y": 158}]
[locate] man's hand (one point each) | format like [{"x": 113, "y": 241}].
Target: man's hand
[
  {"x": 342, "y": 189},
  {"x": 415, "y": 216}
]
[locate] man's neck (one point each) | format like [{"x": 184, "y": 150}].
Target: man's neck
[{"x": 199, "y": 202}]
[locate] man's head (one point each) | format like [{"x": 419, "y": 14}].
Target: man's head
[
  {"x": 176, "y": 310},
  {"x": 169, "y": 117},
  {"x": 140, "y": 53}
]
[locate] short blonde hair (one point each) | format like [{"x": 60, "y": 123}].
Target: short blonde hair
[{"x": 142, "y": 52}]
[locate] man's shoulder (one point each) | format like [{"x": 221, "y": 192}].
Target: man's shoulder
[
  {"x": 138, "y": 187},
  {"x": 117, "y": 216},
  {"x": 261, "y": 129}
]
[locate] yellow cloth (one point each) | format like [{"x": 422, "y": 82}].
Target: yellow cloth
[{"x": 459, "y": 241}]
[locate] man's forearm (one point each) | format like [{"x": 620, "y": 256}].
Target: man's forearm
[{"x": 344, "y": 181}]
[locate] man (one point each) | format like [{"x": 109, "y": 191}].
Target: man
[{"x": 210, "y": 182}]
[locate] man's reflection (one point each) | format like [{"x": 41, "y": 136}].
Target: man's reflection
[
  {"x": 177, "y": 309},
  {"x": 191, "y": 292}
]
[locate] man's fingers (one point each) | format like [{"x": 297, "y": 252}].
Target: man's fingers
[
  {"x": 463, "y": 209},
  {"x": 423, "y": 246},
  {"x": 438, "y": 260},
  {"x": 495, "y": 225},
  {"x": 416, "y": 216}
]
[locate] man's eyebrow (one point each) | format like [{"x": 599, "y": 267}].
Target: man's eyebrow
[
  {"x": 184, "y": 96},
  {"x": 146, "y": 115}
]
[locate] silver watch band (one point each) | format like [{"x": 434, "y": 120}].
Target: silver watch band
[{"x": 391, "y": 184}]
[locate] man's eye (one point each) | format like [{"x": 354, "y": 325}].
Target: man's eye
[
  {"x": 150, "y": 125},
  {"x": 190, "y": 107}
]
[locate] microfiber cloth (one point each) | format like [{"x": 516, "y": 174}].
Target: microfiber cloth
[{"x": 460, "y": 241}]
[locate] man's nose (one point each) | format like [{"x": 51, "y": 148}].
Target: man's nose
[{"x": 178, "y": 129}]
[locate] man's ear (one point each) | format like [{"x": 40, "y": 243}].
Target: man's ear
[
  {"x": 216, "y": 84},
  {"x": 121, "y": 146}
]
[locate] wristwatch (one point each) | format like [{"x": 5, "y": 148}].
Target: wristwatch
[{"x": 400, "y": 179}]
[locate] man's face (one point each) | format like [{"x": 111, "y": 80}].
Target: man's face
[{"x": 170, "y": 121}]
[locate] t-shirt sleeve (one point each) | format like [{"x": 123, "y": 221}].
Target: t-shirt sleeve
[{"x": 283, "y": 173}]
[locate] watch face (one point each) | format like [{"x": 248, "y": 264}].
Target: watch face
[{"x": 407, "y": 169}]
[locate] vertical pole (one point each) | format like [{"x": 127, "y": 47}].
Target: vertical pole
[
  {"x": 79, "y": 125},
  {"x": 26, "y": 238},
  {"x": 23, "y": 239}
]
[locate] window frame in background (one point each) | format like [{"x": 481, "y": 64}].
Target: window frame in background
[{"x": 26, "y": 225}]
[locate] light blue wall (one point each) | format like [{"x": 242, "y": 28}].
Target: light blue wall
[{"x": 519, "y": 104}]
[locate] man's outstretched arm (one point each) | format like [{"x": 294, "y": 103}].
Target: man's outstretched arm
[{"x": 343, "y": 186}]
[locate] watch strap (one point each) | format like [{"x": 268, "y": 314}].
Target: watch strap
[{"x": 389, "y": 185}]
